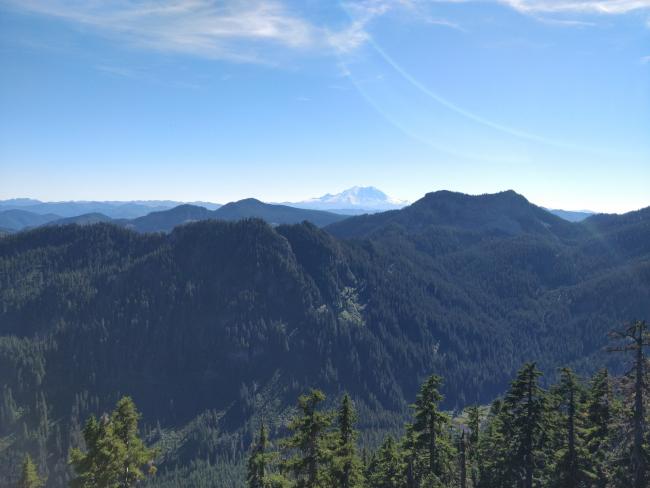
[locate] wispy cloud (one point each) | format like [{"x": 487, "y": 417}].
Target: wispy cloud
[
  {"x": 227, "y": 29},
  {"x": 645, "y": 60},
  {"x": 577, "y": 6},
  {"x": 245, "y": 30}
]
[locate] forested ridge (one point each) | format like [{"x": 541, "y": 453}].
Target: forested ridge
[
  {"x": 218, "y": 325},
  {"x": 575, "y": 434}
]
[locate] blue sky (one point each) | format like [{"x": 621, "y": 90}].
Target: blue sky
[{"x": 282, "y": 100}]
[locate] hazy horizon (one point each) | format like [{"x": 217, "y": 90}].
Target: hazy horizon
[{"x": 302, "y": 200}]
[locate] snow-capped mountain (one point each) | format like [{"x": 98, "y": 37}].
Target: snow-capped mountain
[{"x": 355, "y": 200}]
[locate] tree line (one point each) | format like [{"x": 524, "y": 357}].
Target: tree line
[{"x": 573, "y": 434}]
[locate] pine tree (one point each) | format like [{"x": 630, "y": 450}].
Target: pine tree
[
  {"x": 600, "y": 417},
  {"x": 29, "y": 475},
  {"x": 125, "y": 419},
  {"x": 474, "y": 424},
  {"x": 348, "y": 469},
  {"x": 635, "y": 339},
  {"x": 431, "y": 434},
  {"x": 310, "y": 441},
  {"x": 572, "y": 468},
  {"x": 257, "y": 463},
  {"x": 493, "y": 450},
  {"x": 410, "y": 458},
  {"x": 387, "y": 469},
  {"x": 524, "y": 411},
  {"x": 462, "y": 461},
  {"x": 115, "y": 455}
]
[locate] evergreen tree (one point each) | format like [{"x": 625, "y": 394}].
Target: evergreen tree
[
  {"x": 462, "y": 461},
  {"x": 635, "y": 339},
  {"x": 411, "y": 462},
  {"x": 29, "y": 475},
  {"x": 309, "y": 442},
  {"x": 257, "y": 463},
  {"x": 431, "y": 432},
  {"x": 116, "y": 457},
  {"x": 524, "y": 412},
  {"x": 348, "y": 469},
  {"x": 600, "y": 418},
  {"x": 493, "y": 450},
  {"x": 387, "y": 469},
  {"x": 572, "y": 468},
  {"x": 474, "y": 424}
]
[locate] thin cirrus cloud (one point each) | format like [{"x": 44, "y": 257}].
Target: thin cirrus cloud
[
  {"x": 230, "y": 29},
  {"x": 241, "y": 30},
  {"x": 577, "y": 6}
]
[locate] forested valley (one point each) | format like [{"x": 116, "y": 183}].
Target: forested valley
[{"x": 410, "y": 326}]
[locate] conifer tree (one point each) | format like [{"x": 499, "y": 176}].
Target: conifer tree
[
  {"x": 348, "y": 469},
  {"x": 572, "y": 468},
  {"x": 462, "y": 461},
  {"x": 257, "y": 463},
  {"x": 493, "y": 467},
  {"x": 599, "y": 435},
  {"x": 431, "y": 434},
  {"x": 524, "y": 412},
  {"x": 409, "y": 455},
  {"x": 387, "y": 469},
  {"x": 116, "y": 457},
  {"x": 29, "y": 475},
  {"x": 635, "y": 339},
  {"x": 309, "y": 442},
  {"x": 474, "y": 424}
]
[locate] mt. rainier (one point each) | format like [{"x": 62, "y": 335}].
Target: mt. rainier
[{"x": 358, "y": 199}]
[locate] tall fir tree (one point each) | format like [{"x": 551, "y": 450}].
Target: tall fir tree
[
  {"x": 29, "y": 477},
  {"x": 474, "y": 425},
  {"x": 387, "y": 468},
  {"x": 432, "y": 433},
  {"x": 410, "y": 458},
  {"x": 347, "y": 468},
  {"x": 257, "y": 462},
  {"x": 600, "y": 416},
  {"x": 523, "y": 422},
  {"x": 116, "y": 457},
  {"x": 635, "y": 339},
  {"x": 462, "y": 461},
  {"x": 309, "y": 445},
  {"x": 493, "y": 464},
  {"x": 573, "y": 467}
]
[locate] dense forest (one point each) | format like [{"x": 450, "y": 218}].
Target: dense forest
[
  {"x": 216, "y": 327},
  {"x": 574, "y": 434}
]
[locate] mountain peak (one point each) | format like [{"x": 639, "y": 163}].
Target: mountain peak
[
  {"x": 505, "y": 212},
  {"x": 357, "y": 198}
]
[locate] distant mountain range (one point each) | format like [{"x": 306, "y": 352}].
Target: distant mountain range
[
  {"x": 163, "y": 215},
  {"x": 112, "y": 209},
  {"x": 166, "y": 220},
  {"x": 572, "y": 215}
]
